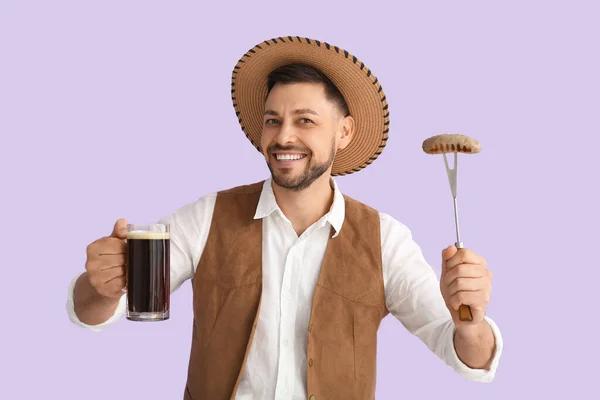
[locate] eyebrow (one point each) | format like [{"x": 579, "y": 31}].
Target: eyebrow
[{"x": 296, "y": 112}]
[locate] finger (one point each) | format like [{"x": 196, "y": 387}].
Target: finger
[
  {"x": 476, "y": 299},
  {"x": 467, "y": 284},
  {"x": 114, "y": 288},
  {"x": 107, "y": 245},
  {"x": 447, "y": 254},
  {"x": 465, "y": 271},
  {"x": 113, "y": 246},
  {"x": 99, "y": 279},
  {"x": 464, "y": 256},
  {"x": 109, "y": 261},
  {"x": 116, "y": 285},
  {"x": 106, "y": 262},
  {"x": 120, "y": 229},
  {"x": 107, "y": 275}
]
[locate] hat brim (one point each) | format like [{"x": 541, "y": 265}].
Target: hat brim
[{"x": 361, "y": 90}]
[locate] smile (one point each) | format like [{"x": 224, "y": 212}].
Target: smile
[{"x": 289, "y": 157}]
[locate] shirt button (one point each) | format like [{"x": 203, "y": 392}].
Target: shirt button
[
  {"x": 312, "y": 397},
  {"x": 285, "y": 343},
  {"x": 289, "y": 296}
]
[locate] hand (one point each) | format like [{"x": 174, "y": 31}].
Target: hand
[
  {"x": 465, "y": 280},
  {"x": 106, "y": 260}
]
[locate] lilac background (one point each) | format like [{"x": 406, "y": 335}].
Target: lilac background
[{"x": 91, "y": 92}]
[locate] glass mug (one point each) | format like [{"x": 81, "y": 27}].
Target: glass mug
[{"x": 148, "y": 272}]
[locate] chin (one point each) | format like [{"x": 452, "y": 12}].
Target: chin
[
  {"x": 298, "y": 177},
  {"x": 294, "y": 181},
  {"x": 287, "y": 180}
]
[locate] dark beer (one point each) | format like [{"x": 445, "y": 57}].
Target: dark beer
[{"x": 148, "y": 285}]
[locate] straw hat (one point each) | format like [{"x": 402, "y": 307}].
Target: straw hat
[{"x": 361, "y": 90}]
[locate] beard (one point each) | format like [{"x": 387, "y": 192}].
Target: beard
[{"x": 311, "y": 172}]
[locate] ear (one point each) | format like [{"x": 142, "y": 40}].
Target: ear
[{"x": 346, "y": 132}]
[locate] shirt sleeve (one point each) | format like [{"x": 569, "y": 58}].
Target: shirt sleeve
[
  {"x": 189, "y": 231},
  {"x": 414, "y": 298}
]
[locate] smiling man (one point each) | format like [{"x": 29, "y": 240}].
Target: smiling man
[
  {"x": 292, "y": 278},
  {"x": 302, "y": 111}
]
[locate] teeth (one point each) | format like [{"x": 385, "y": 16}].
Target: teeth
[{"x": 289, "y": 156}]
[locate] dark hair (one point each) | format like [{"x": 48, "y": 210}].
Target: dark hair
[{"x": 301, "y": 73}]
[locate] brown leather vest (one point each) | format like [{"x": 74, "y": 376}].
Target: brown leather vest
[{"x": 348, "y": 303}]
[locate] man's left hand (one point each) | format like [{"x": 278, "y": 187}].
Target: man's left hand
[{"x": 465, "y": 280}]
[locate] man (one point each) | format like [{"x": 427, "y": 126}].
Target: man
[{"x": 291, "y": 278}]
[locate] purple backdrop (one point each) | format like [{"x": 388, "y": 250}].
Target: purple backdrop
[{"x": 122, "y": 108}]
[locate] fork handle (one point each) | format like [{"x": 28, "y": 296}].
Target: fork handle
[{"x": 464, "y": 311}]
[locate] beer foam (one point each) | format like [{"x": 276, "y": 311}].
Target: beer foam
[{"x": 148, "y": 235}]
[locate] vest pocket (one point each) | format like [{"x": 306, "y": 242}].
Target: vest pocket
[
  {"x": 367, "y": 319},
  {"x": 332, "y": 338},
  {"x": 220, "y": 311}
]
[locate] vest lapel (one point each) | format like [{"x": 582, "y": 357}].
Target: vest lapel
[{"x": 227, "y": 294}]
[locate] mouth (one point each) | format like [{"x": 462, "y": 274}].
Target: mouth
[{"x": 288, "y": 157}]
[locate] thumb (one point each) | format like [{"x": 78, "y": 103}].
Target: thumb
[
  {"x": 120, "y": 229},
  {"x": 447, "y": 254}
]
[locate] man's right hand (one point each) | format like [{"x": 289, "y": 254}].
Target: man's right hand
[{"x": 106, "y": 261}]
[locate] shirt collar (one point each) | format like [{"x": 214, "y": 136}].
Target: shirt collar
[
  {"x": 267, "y": 205},
  {"x": 337, "y": 212}
]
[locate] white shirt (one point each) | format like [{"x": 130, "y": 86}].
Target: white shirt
[{"x": 276, "y": 364}]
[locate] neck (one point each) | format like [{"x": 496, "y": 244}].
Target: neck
[{"x": 305, "y": 207}]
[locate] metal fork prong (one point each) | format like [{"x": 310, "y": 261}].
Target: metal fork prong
[
  {"x": 455, "y": 161},
  {"x": 446, "y": 163},
  {"x": 454, "y": 174},
  {"x": 451, "y": 173}
]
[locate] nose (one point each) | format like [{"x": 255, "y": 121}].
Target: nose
[{"x": 285, "y": 134}]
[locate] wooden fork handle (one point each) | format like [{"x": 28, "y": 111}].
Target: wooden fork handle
[{"x": 464, "y": 313}]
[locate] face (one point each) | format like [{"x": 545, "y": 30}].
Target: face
[{"x": 302, "y": 131}]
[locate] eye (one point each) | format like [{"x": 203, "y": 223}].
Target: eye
[
  {"x": 305, "y": 121},
  {"x": 271, "y": 121}
]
